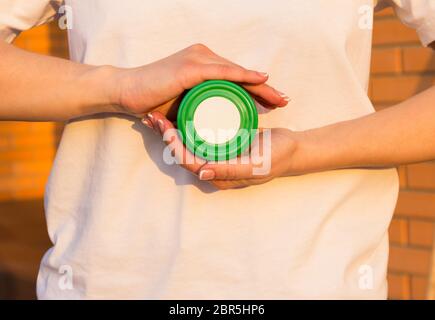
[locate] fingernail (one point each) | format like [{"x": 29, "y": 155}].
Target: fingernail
[
  {"x": 284, "y": 96},
  {"x": 147, "y": 123},
  {"x": 263, "y": 74},
  {"x": 206, "y": 174},
  {"x": 149, "y": 115}
]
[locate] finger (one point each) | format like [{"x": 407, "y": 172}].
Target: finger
[
  {"x": 238, "y": 184},
  {"x": 268, "y": 95},
  {"x": 230, "y": 184},
  {"x": 171, "y": 138},
  {"x": 160, "y": 125},
  {"x": 231, "y": 72},
  {"x": 263, "y": 102},
  {"x": 227, "y": 184},
  {"x": 225, "y": 171},
  {"x": 150, "y": 122}
]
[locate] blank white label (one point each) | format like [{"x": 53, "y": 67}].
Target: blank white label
[{"x": 216, "y": 120}]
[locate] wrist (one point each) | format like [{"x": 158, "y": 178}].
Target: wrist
[
  {"x": 126, "y": 86},
  {"x": 109, "y": 79},
  {"x": 315, "y": 150},
  {"x": 97, "y": 90}
]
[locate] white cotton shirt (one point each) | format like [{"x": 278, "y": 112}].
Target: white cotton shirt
[{"x": 126, "y": 225}]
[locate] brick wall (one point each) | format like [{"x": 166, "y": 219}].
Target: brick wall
[{"x": 400, "y": 68}]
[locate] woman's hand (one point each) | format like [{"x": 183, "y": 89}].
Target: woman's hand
[
  {"x": 84, "y": 90},
  {"x": 270, "y": 156},
  {"x": 157, "y": 86}
]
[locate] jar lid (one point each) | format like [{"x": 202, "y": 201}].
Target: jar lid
[{"x": 217, "y": 120}]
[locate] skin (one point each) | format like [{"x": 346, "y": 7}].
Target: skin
[
  {"x": 401, "y": 134},
  {"x": 382, "y": 139},
  {"x": 136, "y": 91}
]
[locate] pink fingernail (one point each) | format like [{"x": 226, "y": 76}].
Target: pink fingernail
[
  {"x": 149, "y": 115},
  {"x": 284, "y": 96},
  {"x": 148, "y": 123},
  {"x": 206, "y": 175},
  {"x": 263, "y": 74}
]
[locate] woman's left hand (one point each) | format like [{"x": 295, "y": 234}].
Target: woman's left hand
[{"x": 270, "y": 157}]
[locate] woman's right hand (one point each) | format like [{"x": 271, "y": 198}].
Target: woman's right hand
[{"x": 157, "y": 86}]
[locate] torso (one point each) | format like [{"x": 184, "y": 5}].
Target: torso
[{"x": 133, "y": 227}]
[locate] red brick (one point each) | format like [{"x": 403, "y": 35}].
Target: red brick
[
  {"x": 416, "y": 204},
  {"x": 431, "y": 284},
  {"x": 399, "y": 88},
  {"x": 392, "y": 31},
  {"x": 386, "y": 60},
  {"x": 418, "y": 59},
  {"x": 31, "y": 168},
  {"x": 32, "y": 141},
  {"x": 419, "y": 287},
  {"x": 403, "y": 176},
  {"x": 27, "y": 155},
  {"x": 36, "y": 193},
  {"x": 398, "y": 231},
  {"x": 421, "y": 176},
  {"x": 399, "y": 286},
  {"x": 387, "y": 12},
  {"x": 17, "y": 183},
  {"x": 409, "y": 260},
  {"x": 5, "y": 169},
  {"x": 15, "y": 127},
  {"x": 421, "y": 233}
]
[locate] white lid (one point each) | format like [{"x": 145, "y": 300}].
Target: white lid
[{"x": 216, "y": 120}]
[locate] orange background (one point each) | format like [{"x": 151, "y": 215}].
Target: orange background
[{"x": 400, "y": 68}]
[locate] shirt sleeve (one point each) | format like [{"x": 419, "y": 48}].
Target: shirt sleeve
[
  {"x": 19, "y": 15},
  {"x": 417, "y": 14}
]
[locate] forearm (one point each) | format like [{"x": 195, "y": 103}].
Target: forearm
[
  {"x": 40, "y": 88},
  {"x": 397, "y": 135},
  {"x": 35, "y": 87}
]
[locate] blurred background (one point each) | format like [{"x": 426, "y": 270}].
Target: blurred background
[{"x": 401, "y": 67}]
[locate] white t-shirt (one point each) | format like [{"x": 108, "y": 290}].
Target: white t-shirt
[{"x": 126, "y": 225}]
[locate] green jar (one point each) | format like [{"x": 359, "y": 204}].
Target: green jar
[{"x": 217, "y": 120}]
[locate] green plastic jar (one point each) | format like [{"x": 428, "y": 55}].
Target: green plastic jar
[{"x": 217, "y": 120}]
